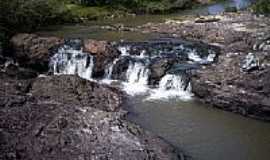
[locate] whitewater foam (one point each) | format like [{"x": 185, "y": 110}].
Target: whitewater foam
[
  {"x": 72, "y": 62},
  {"x": 171, "y": 86}
]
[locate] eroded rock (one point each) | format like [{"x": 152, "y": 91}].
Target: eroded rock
[{"x": 33, "y": 51}]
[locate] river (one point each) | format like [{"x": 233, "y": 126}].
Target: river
[{"x": 202, "y": 132}]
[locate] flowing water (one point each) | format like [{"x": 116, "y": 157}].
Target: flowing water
[{"x": 167, "y": 108}]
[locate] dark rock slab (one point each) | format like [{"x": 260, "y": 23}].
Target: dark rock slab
[
  {"x": 68, "y": 118},
  {"x": 77, "y": 91}
]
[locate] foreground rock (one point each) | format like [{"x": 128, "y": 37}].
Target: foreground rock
[{"x": 67, "y": 118}]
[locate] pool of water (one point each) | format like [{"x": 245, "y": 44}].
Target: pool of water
[{"x": 203, "y": 132}]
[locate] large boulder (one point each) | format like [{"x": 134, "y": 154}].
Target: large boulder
[
  {"x": 77, "y": 91},
  {"x": 104, "y": 54},
  {"x": 33, "y": 51}
]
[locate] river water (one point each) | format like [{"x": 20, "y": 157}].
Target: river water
[{"x": 202, "y": 132}]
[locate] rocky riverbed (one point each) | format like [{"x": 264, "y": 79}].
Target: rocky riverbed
[{"x": 238, "y": 81}]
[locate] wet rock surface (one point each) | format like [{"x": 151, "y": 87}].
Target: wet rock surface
[
  {"x": 228, "y": 87},
  {"x": 66, "y": 117},
  {"x": 104, "y": 54},
  {"x": 238, "y": 81},
  {"x": 120, "y": 68},
  {"x": 33, "y": 51},
  {"x": 158, "y": 69}
]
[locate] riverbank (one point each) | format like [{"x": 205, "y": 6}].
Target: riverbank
[{"x": 238, "y": 82}]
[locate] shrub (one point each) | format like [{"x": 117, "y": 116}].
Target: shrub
[{"x": 262, "y": 6}]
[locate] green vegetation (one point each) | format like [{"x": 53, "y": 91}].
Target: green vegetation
[
  {"x": 262, "y": 6},
  {"x": 28, "y": 15}
]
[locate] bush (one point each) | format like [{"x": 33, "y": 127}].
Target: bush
[{"x": 262, "y": 6}]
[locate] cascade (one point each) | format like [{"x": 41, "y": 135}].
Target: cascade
[
  {"x": 137, "y": 77},
  {"x": 135, "y": 67},
  {"x": 109, "y": 69},
  {"x": 71, "y": 61}
]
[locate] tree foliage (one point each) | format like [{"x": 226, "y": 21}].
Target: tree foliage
[
  {"x": 262, "y": 6},
  {"x": 28, "y": 15}
]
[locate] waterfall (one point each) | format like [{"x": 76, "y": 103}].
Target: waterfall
[
  {"x": 171, "y": 82},
  {"x": 137, "y": 73},
  {"x": 71, "y": 61},
  {"x": 171, "y": 86},
  {"x": 134, "y": 67},
  {"x": 136, "y": 78},
  {"x": 109, "y": 69}
]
